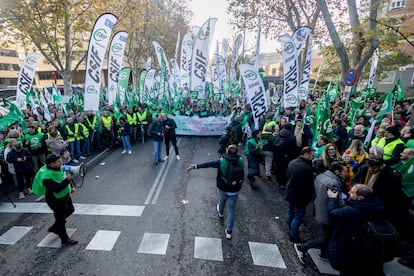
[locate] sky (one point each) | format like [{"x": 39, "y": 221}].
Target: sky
[{"x": 203, "y": 9}]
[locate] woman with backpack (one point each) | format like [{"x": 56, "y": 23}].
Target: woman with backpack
[{"x": 230, "y": 175}]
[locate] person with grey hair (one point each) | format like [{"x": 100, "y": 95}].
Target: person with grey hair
[{"x": 22, "y": 163}]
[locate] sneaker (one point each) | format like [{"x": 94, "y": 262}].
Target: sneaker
[
  {"x": 299, "y": 251},
  {"x": 166, "y": 158},
  {"x": 75, "y": 161},
  {"x": 178, "y": 157},
  {"x": 124, "y": 151},
  {"x": 323, "y": 257},
  {"x": 82, "y": 157},
  {"x": 161, "y": 160},
  {"x": 220, "y": 215},
  {"x": 129, "y": 152},
  {"x": 21, "y": 196},
  {"x": 70, "y": 241},
  {"x": 228, "y": 234}
]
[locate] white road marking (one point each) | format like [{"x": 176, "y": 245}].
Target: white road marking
[
  {"x": 53, "y": 240},
  {"x": 103, "y": 240},
  {"x": 266, "y": 254},
  {"x": 14, "y": 234},
  {"x": 208, "y": 249},
  {"x": 154, "y": 243},
  {"x": 80, "y": 209}
]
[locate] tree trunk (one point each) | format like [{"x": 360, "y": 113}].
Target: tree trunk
[{"x": 68, "y": 74}]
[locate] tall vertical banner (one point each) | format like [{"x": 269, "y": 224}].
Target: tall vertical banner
[
  {"x": 257, "y": 53},
  {"x": 186, "y": 54},
  {"x": 200, "y": 60},
  {"x": 115, "y": 63},
  {"x": 255, "y": 91},
  {"x": 25, "y": 79},
  {"x": 219, "y": 73},
  {"x": 141, "y": 84},
  {"x": 237, "y": 44},
  {"x": 373, "y": 70},
  {"x": 123, "y": 85},
  {"x": 165, "y": 76},
  {"x": 290, "y": 71},
  {"x": 98, "y": 43},
  {"x": 149, "y": 64},
  {"x": 149, "y": 83},
  {"x": 301, "y": 35}
]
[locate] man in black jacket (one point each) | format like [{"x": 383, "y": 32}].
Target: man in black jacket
[
  {"x": 300, "y": 190},
  {"x": 156, "y": 131},
  {"x": 170, "y": 136},
  {"x": 227, "y": 191},
  {"x": 22, "y": 162},
  {"x": 283, "y": 153}
]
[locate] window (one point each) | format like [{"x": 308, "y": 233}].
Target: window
[
  {"x": 8, "y": 81},
  {"x": 389, "y": 79},
  {"x": 47, "y": 76},
  {"x": 8, "y": 53},
  {"x": 397, "y": 4},
  {"x": 9, "y": 67}
]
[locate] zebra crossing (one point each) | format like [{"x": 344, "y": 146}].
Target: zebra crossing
[{"x": 205, "y": 248}]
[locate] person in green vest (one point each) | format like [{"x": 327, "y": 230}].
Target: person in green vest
[
  {"x": 392, "y": 145},
  {"x": 91, "y": 122},
  {"x": 84, "y": 137},
  {"x": 131, "y": 117},
  {"x": 254, "y": 153},
  {"x": 35, "y": 143},
  {"x": 142, "y": 127},
  {"x": 107, "y": 123},
  {"x": 55, "y": 184}
]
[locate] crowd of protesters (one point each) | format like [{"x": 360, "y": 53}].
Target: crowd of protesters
[{"x": 337, "y": 163}]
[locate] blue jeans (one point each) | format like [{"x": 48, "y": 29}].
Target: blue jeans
[
  {"x": 126, "y": 142},
  {"x": 295, "y": 217},
  {"x": 86, "y": 147},
  {"x": 156, "y": 151},
  {"x": 74, "y": 146},
  {"x": 231, "y": 207}
]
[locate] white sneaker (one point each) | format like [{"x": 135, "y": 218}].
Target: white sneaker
[
  {"x": 129, "y": 152},
  {"x": 82, "y": 157},
  {"x": 220, "y": 215},
  {"x": 228, "y": 234},
  {"x": 75, "y": 160},
  {"x": 124, "y": 151},
  {"x": 178, "y": 157},
  {"x": 166, "y": 157}
]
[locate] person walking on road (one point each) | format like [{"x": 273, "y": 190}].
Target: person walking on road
[
  {"x": 156, "y": 131},
  {"x": 230, "y": 175},
  {"x": 52, "y": 182},
  {"x": 170, "y": 136}
]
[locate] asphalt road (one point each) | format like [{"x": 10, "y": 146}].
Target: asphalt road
[{"x": 177, "y": 233}]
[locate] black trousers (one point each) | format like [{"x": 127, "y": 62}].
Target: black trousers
[
  {"x": 62, "y": 208},
  {"x": 173, "y": 140}
]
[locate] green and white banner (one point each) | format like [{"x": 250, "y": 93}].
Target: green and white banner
[
  {"x": 235, "y": 56},
  {"x": 98, "y": 43},
  {"x": 165, "y": 74},
  {"x": 186, "y": 54},
  {"x": 373, "y": 70},
  {"x": 195, "y": 126},
  {"x": 219, "y": 73},
  {"x": 200, "y": 60},
  {"x": 290, "y": 71},
  {"x": 123, "y": 85},
  {"x": 255, "y": 91},
  {"x": 115, "y": 63},
  {"x": 149, "y": 85},
  {"x": 141, "y": 85},
  {"x": 301, "y": 35},
  {"x": 25, "y": 79}
]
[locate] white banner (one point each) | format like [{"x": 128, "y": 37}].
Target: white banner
[
  {"x": 290, "y": 72},
  {"x": 219, "y": 73},
  {"x": 149, "y": 64},
  {"x": 300, "y": 36},
  {"x": 257, "y": 53},
  {"x": 373, "y": 70},
  {"x": 304, "y": 83},
  {"x": 115, "y": 63},
  {"x": 237, "y": 44},
  {"x": 186, "y": 52},
  {"x": 98, "y": 43},
  {"x": 200, "y": 60},
  {"x": 176, "y": 73},
  {"x": 165, "y": 73},
  {"x": 25, "y": 79},
  {"x": 195, "y": 126},
  {"x": 149, "y": 83},
  {"x": 255, "y": 91}
]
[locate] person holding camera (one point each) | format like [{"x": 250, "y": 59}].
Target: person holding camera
[{"x": 52, "y": 182}]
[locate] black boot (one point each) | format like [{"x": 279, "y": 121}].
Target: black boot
[{"x": 252, "y": 182}]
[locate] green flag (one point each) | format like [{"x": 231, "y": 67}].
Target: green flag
[
  {"x": 398, "y": 91},
  {"x": 14, "y": 115},
  {"x": 407, "y": 172},
  {"x": 386, "y": 107}
]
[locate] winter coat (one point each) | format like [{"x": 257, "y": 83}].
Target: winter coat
[
  {"x": 20, "y": 167},
  {"x": 172, "y": 126},
  {"x": 323, "y": 182},
  {"x": 300, "y": 182},
  {"x": 154, "y": 128},
  {"x": 59, "y": 148},
  {"x": 344, "y": 253}
]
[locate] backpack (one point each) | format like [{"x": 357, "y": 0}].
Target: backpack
[
  {"x": 379, "y": 241},
  {"x": 234, "y": 172}
]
